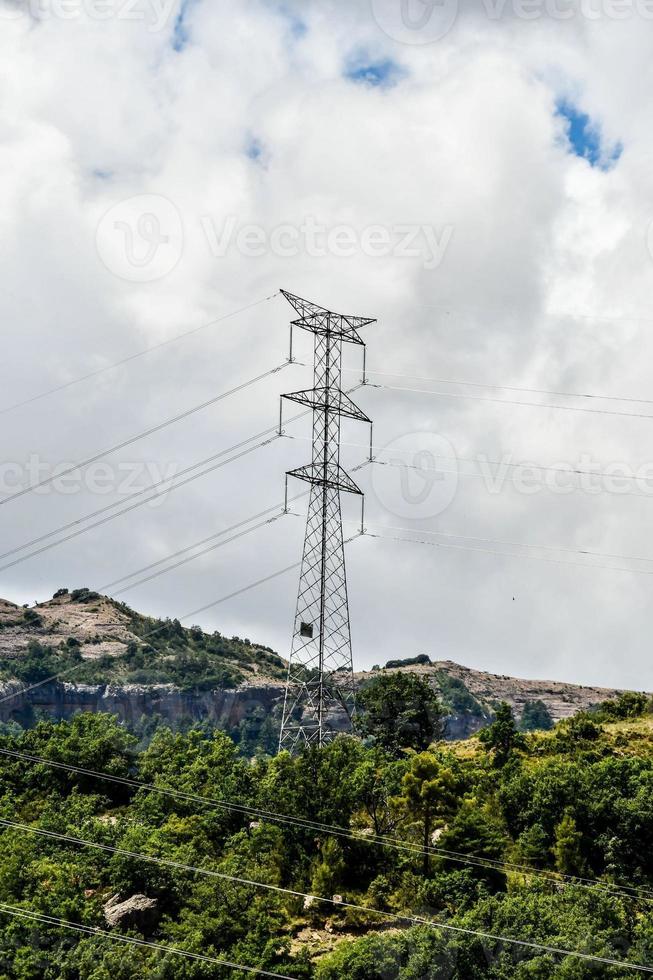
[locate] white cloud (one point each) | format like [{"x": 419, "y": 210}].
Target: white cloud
[{"x": 95, "y": 113}]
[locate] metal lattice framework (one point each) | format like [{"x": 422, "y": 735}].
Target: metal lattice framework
[{"x": 320, "y": 683}]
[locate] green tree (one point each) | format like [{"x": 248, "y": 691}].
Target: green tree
[
  {"x": 428, "y": 792},
  {"x": 502, "y": 735},
  {"x": 417, "y": 954},
  {"x": 400, "y": 711},
  {"x": 533, "y": 846},
  {"x": 535, "y": 716},
  {"x": 568, "y": 847},
  {"x": 330, "y": 870},
  {"x": 580, "y": 803},
  {"x": 376, "y": 780},
  {"x": 474, "y": 831}
]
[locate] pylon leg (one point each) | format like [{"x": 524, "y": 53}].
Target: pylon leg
[{"x": 320, "y": 691}]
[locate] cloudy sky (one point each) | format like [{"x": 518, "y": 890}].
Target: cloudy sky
[{"x": 476, "y": 177}]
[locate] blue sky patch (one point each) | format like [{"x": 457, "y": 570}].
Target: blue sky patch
[
  {"x": 585, "y": 139},
  {"x": 296, "y": 25},
  {"x": 180, "y": 33},
  {"x": 379, "y": 73},
  {"x": 254, "y": 149}
]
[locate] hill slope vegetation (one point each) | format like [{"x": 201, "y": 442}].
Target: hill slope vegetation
[{"x": 541, "y": 837}]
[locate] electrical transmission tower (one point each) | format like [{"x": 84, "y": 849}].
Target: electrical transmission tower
[{"x": 320, "y": 672}]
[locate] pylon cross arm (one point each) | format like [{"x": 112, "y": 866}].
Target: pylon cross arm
[
  {"x": 329, "y": 398},
  {"x": 336, "y": 478}
]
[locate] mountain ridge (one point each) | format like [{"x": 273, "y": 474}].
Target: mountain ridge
[{"x": 115, "y": 659}]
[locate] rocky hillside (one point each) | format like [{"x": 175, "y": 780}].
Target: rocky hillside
[
  {"x": 109, "y": 640},
  {"x": 562, "y": 700},
  {"x": 472, "y": 695},
  {"x": 110, "y": 658}
]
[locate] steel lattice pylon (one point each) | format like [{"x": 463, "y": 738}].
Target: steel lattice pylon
[{"x": 320, "y": 671}]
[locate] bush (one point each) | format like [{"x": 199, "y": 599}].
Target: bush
[
  {"x": 32, "y": 618},
  {"x": 84, "y": 595},
  {"x": 535, "y": 716},
  {"x": 421, "y": 659},
  {"x": 629, "y": 704}
]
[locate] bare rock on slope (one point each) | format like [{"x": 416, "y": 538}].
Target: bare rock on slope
[
  {"x": 99, "y": 625},
  {"x": 561, "y": 699},
  {"x": 139, "y": 911}
]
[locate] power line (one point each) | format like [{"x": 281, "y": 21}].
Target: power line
[
  {"x": 158, "y": 629},
  {"x": 273, "y": 429},
  {"x": 494, "y": 387},
  {"x": 541, "y": 485},
  {"x": 199, "y": 554},
  {"x": 142, "y": 435},
  {"x": 517, "y": 466},
  {"x": 300, "y": 823},
  {"x": 211, "y": 537},
  {"x": 520, "y": 544},
  {"x": 116, "y": 937},
  {"x": 196, "y": 544},
  {"x": 482, "y": 459},
  {"x": 553, "y": 314},
  {"x": 133, "y": 357},
  {"x": 601, "y": 474},
  {"x": 194, "y": 612},
  {"x": 509, "y": 401},
  {"x": 136, "y": 504},
  {"x": 138, "y": 493},
  {"x": 278, "y": 889},
  {"x": 512, "y": 544},
  {"x": 499, "y": 554}
]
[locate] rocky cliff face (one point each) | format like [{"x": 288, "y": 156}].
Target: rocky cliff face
[
  {"x": 102, "y": 632},
  {"x": 133, "y": 703},
  {"x": 82, "y": 633}
]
